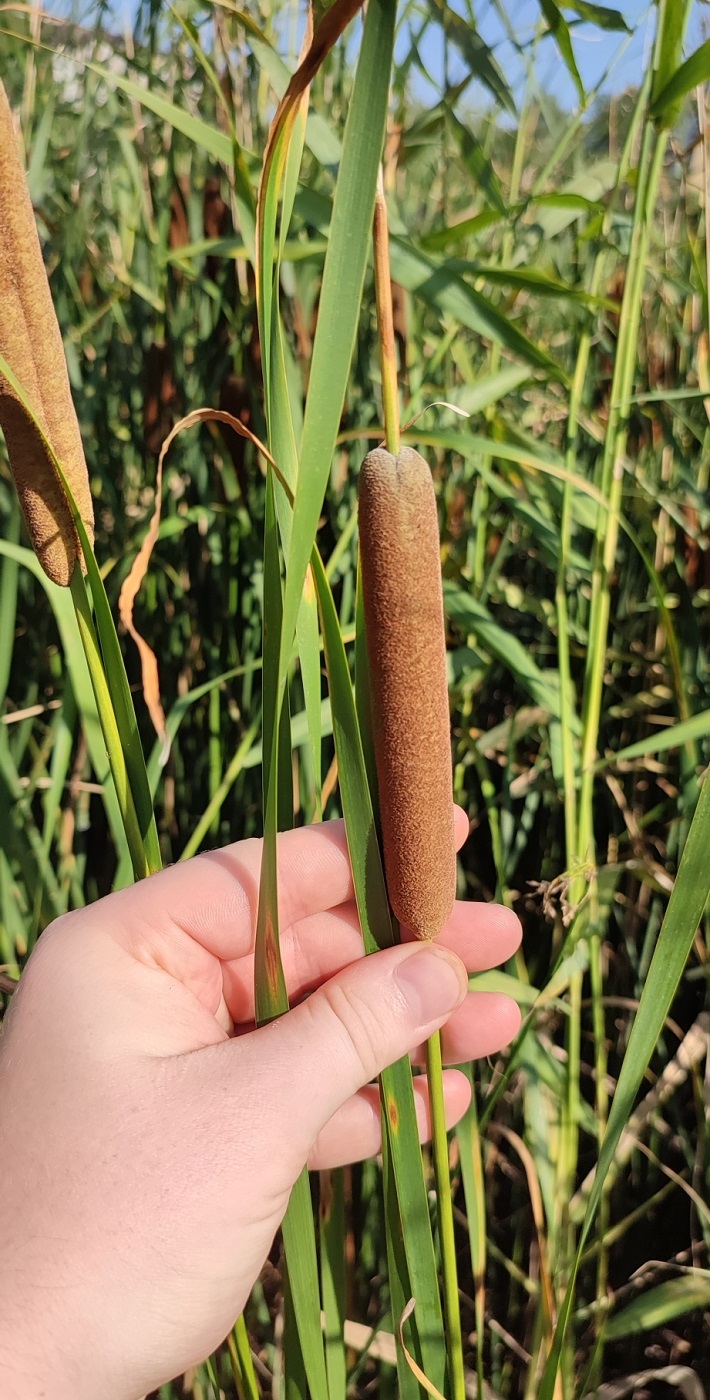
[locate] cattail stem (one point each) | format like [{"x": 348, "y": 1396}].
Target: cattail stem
[
  {"x": 440, "y": 1146},
  {"x": 385, "y": 320},
  {"x": 394, "y": 542}
]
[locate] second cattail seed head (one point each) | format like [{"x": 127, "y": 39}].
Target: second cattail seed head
[{"x": 31, "y": 344}]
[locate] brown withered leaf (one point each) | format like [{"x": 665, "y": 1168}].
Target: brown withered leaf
[{"x": 130, "y": 588}]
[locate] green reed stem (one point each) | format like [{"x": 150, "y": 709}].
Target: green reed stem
[
  {"x": 611, "y": 481},
  {"x": 612, "y": 474},
  {"x": 569, "y": 1150},
  {"x": 575, "y": 852},
  {"x": 440, "y": 1146},
  {"x": 468, "y": 1134},
  {"x": 567, "y": 709},
  {"x": 612, "y": 471},
  {"x": 480, "y": 505}
]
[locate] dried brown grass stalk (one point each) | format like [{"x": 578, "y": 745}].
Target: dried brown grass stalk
[{"x": 31, "y": 344}]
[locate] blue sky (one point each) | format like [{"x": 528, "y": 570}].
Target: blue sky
[{"x": 597, "y": 51}]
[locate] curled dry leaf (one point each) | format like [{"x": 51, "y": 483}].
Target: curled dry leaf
[
  {"x": 435, "y": 403},
  {"x": 416, "y": 1370},
  {"x": 31, "y": 345},
  {"x": 682, "y": 1378},
  {"x": 381, "y": 1346},
  {"x": 150, "y": 679},
  {"x": 130, "y": 588}
]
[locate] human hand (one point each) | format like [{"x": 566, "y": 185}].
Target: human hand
[{"x": 149, "y": 1136}]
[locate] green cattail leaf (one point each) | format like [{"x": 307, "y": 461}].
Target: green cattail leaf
[
  {"x": 658, "y": 1306},
  {"x": 672, "y": 21},
  {"x": 468, "y": 1133},
  {"x": 559, "y": 29},
  {"x": 307, "y": 637},
  {"x": 338, "y": 313},
  {"x": 122, "y": 704},
  {"x": 475, "y": 53},
  {"x": 439, "y": 283},
  {"x": 109, "y": 726},
  {"x": 341, "y": 295},
  {"x": 475, "y": 161},
  {"x": 400, "y": 1284},
  {"x": 333, "y": 1275},
  {"x": 363, "y": 846},
  {"x": 270, "y": 994},
  {"x": 599, "y": 14},
  {"x": 294, "y": 1381},
  {"x": 691, "y": 74},
  {"x": 664, "y": 739},
  {"x": 302, "y": 1265}
]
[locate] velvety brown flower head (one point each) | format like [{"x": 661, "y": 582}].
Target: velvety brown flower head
[
  {"x": 31, "y": 344},
  {"x": 406, "y": 647}
]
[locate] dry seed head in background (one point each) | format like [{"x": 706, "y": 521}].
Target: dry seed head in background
[
  {"x": 406, "y": 647},
  {"x": 31, "y": 343}
]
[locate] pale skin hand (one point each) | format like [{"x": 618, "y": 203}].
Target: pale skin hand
[{"x": 147, "y": 1151}]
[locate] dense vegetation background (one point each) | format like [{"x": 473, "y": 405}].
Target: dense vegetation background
[{"x": 511, "y": 225}]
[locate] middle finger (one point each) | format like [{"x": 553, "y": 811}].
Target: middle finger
[{"x": 316, "y": 948}]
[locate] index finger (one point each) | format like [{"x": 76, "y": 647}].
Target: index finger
[{"x": 214, "y": 897}]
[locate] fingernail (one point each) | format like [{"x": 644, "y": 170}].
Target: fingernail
[{"x": 431, "y": 983}]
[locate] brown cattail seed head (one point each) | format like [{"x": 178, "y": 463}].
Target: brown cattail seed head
[
  {"x": 404, "y": 625},
  {"x": 31, "y": 343}
]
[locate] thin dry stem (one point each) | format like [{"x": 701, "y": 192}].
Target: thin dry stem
[{"x": 385, "y": 319}]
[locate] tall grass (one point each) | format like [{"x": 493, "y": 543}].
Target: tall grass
[{"x": 207, "y": 230}]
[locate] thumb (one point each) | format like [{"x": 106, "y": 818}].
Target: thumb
[{"x": 311, "y": 1061}]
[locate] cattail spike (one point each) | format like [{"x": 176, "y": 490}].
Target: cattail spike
[
  {"x": 31, "y": 343},
  {"x": 404, "y": 627}
]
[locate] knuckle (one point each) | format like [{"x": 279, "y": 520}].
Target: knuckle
[
  {"x": 57, "y": 929},
  {"x": 357, "y": 1027},
  {"x": 69, "y": 933}
]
